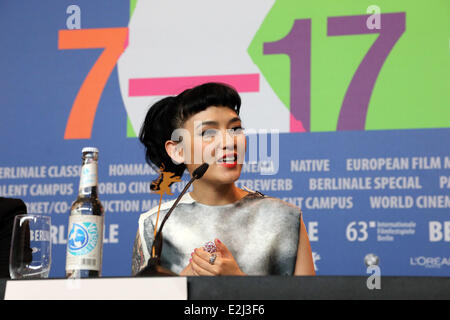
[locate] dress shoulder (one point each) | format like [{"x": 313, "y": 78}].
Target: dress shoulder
[{"x": 274, "y": 203}]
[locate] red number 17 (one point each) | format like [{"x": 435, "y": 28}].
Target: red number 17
[{"x": 297, "y": 45}]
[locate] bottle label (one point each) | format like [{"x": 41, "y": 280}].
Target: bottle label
[
  {"x": 84, "y": 243},
  {"x": 88, "y": 175}
]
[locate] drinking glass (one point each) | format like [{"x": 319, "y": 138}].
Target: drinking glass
[{"x": 30, "y": 255}]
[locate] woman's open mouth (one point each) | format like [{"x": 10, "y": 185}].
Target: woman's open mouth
[{"x": 228, "y": 160}]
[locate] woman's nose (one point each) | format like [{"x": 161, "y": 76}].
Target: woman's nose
[{"x": 228, "y": 140}]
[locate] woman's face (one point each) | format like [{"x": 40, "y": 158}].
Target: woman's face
[{"x": 216, "y": 136}]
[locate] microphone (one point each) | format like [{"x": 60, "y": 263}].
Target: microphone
[
  {"x": 200, "y": 171},
  {"x": 153, "y": 267}
]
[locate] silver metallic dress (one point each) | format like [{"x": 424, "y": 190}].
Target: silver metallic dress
[{"x": 261, "y": 232}]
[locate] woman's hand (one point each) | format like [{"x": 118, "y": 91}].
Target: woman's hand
[
  {"x": 225, "y": 264},
  {"x": 188, "y": 271}
]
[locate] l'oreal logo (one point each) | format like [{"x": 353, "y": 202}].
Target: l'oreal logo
[{"x": 430, "y": 262}]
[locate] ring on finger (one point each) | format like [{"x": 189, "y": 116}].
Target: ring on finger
[{"x": 212, "y": 258}]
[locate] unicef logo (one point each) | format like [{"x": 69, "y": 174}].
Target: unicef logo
[{"x": 82, "y": 238}]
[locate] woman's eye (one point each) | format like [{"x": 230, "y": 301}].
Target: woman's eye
[
  {"x": 236, "y": 130},
  {"x": 209, "y": 132}
]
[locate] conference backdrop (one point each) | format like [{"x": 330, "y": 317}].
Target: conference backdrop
[{"x": 345, "y": 102}]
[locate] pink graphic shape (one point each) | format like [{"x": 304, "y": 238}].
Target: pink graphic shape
[
  {"x": 295, "y": 125},
  {"x": 127, "y": 41},
  {"x": 143, "y": 87}
]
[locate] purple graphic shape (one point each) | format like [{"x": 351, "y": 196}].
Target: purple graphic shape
[
  {"x": 297, "y": 46},
  {"x": 356, "y": 101}
]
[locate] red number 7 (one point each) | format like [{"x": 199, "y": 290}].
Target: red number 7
[
  {"x": 356, "y": 102},
  {"x": 81, "y": 118}
]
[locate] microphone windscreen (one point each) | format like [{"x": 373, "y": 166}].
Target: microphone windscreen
[{"x": 200, "y": 171}]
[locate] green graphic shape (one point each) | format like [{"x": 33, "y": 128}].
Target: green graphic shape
[
  {"x": 133, "y": 4},
  {"x": 130, "y": 130},
  {"x": 412, "y": 88}
]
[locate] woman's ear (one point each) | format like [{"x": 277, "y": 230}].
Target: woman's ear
[{"x": 175, "y": 151}]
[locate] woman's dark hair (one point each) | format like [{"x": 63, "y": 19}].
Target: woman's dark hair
[{"x": 171, "y": 113}]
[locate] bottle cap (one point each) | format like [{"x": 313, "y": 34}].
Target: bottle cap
[{"x": 89, "y": 149}]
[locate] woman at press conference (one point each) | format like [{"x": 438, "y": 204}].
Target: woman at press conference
[{"x": 245, "y": 232}]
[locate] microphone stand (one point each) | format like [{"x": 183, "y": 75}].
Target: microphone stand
[{"x": 153, "y": 267}]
